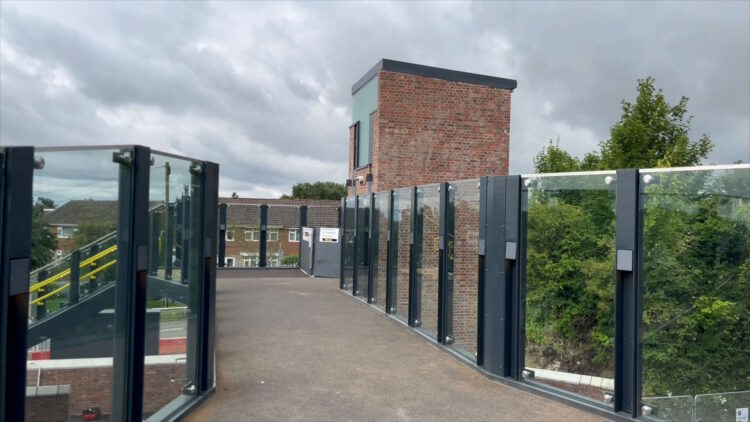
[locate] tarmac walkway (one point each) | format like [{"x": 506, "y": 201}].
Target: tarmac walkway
[{"x": 296, "y": 348}]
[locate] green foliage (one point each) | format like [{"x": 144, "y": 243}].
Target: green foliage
[
  {"x": 696, "y": 234},
  {"x": 317, "y": 190},
  {"x": 89, "y": 231},
  {"x": 290, "y": 260},
  {"x": 43, "y": 241},
  {"x": 653, "y": 133}
]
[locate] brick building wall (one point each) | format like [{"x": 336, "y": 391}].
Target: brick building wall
[
  {"x": 465, "y": 261},
  {"x": 48, "y": 408},
  {"x": 381, "y": 236},
  {"x": 403, "y": 208},
  {"x": 427, "y": 267},
  {"x": 92, "y": 386}
]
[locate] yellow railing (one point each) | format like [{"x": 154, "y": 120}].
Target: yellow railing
[
  {"x": 66, "y": 285},
  {"x": 66, "y": 272}
]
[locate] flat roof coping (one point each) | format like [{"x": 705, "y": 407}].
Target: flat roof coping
[{"x": 434, "y": 72}]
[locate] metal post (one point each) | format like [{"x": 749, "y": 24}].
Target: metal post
[
  {"x": 16, "y": 175},
  {"x": 492, "y": 246},
  {"x": 210, "y": 199},
  {"x": 515, "y": 276},
  {"x": 372, "y": 253},
  {"x": 342, "y": 236},
  {"x": 130, "y": 287},
  {"x": 628, "y": 294},
  {"x": 41, "y": 308},
  {"x": 390, "y": 291},
  {"x": 263, "y": 234},
  {"x": 195, "y": 278},
  {"x": 445, "y": 292},
  {"x": 222, "y": 234},
  {"x": 302, "y": 223},
  {"x": 481, "y": 269},
  {"x": 414, "y": 287},
  {"x": 168, "y": 253},
  {"x": 75, "y": 271},
  {"x": 355, "y": 248}
]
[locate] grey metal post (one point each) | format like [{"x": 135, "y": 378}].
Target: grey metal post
[
  {"x": 263, "y": 235},
  {"x": 628, "y": 294},
  {"x": 206, "y": 287},
  {"x": 16, "y": 175},
  {"x": 302, "y": 223},
  {"x": 445, "y": 296},
  {"x": 390, "y": 291},
  {"x": 75, "y": 271},
  {"x": 342, "y": 236},
  {"x": 130, "y": 285},
  {"x": 515, "y": 273},
  {"x": 355, "y": 249},
  {"x": 414, "y": 287},
  {"x": 492, "y": 248},
  {"x": 370, "y": 250},
  {"x": 222, "y": 234},
  {"x": 195, "y": 277}
]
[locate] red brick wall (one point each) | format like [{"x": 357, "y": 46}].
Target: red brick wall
[
  {"x": 240, "y": 245},
  {"x": 465, "y": 251},
  {"x": 428, "y": 267},
  {"x": 432, "y": 130},
  {"x": 92, "y": 387},
  {"x": 402, "y": 268},
  {"x": 48, "y": 408}
]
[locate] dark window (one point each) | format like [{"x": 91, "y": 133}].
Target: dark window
[
  {"x": 369, "y": 144},
  {"x": 356, "y": 145}
]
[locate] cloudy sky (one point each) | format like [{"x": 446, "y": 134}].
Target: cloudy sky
[{"x": 265, "y": 89}]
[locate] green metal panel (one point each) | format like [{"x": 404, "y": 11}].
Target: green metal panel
[{"x": 365, "y": 102}]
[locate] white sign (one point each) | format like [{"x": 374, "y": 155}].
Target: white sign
[
  {"x": 742, "y": 414},
  {"x": 307, "y": 235},
  {"x": 329, "y": 235}
]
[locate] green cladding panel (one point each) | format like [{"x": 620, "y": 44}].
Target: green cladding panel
[{"x": 365, "y": 103}]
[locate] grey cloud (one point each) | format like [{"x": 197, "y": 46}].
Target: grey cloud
[{"x": 229, "y": 81}]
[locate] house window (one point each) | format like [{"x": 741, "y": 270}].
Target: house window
[
  {"x": 273, "y": 260},
  {"x": 273, "y": 235},
  {"x": 294, "y": 235},
  {"x": 58, "y": 254},
  {"x": 251, "y": 260},
  {"x": 230, "y": 235},
  {"x": 229, "y": 261},
  {"x": 252, "y": 235},
  {"x": 64, "y": 232}
]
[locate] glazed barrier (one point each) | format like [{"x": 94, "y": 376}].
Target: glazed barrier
[
  {"x": 624, "y": 292},
  {"x": 107, "y": 256}
]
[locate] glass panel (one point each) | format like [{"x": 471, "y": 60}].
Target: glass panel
[
  {"x": 363, "y": 251},
  {"x": 379, "y": 247},
  {"x": 462, "y": 233},
  {"x": 570, "y": 259},
  {"x": 243, "y": 235},
  {"x": 349, "y": 244},
  {"x": 279, "y": 251},
  {"x": 400, "y": 235},
  {"x": 426, "y": 252},
  {"x": 79, "y": 190},
  {"x": 175, "y": 216},
  {"x": 696, "y": 252}
]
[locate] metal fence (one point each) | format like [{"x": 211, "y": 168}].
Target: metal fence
[
  {"x": 97, "y": 247},
  {"x": 623, "y": 292}
]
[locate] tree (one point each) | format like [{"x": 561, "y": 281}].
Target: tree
[
  {"x": 43, "y": 241},
  {"x": 317, "y": 190},
  {"x": 696, "y": 245},
  {"x": 89, "y": 231}
]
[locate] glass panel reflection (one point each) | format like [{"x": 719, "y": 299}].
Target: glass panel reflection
[
  {"x": 363, "y": 250},
  {"x": 696, "y": 252},
  {"x": 74, "y": 262},
  {"x": 349, "y": 244},
  {"x": 280, "y": 252},
  {"x": 174, "y": 273},
  {"x": 426, "y": 252},
  {"x": 379, "y": 247},
  {"x": 569, "y": 329},
  {"x": 399, "y": 266},
  {"x": 462, "y": 235}
]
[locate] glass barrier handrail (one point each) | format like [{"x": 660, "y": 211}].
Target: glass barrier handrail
[{"x": 695, "y": 168}]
